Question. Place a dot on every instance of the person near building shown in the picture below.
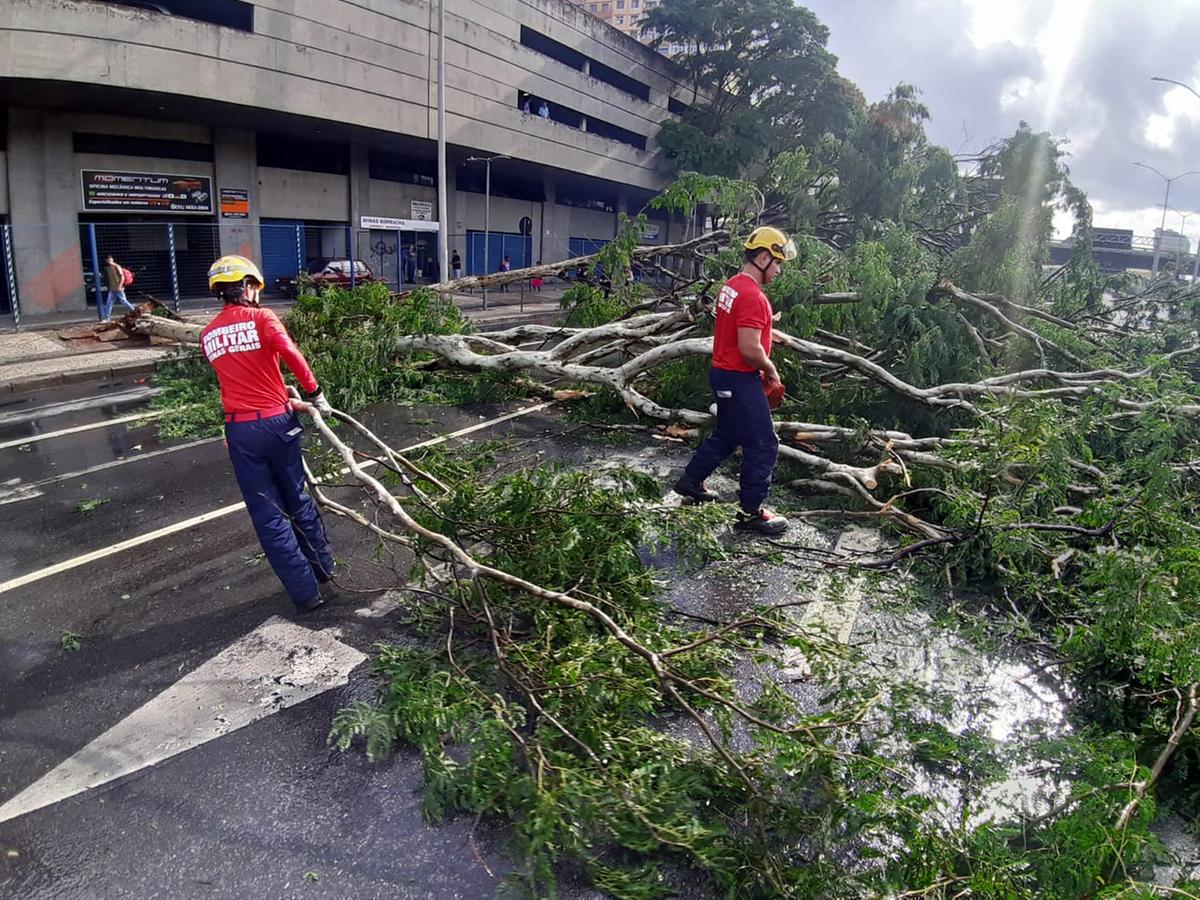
(114, 280)
(456, 264)
(741, 377)
(525, 106)
(505, 266)
(544, 110)
(244, 344)
(535, 283)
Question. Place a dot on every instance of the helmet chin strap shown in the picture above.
(763, 269)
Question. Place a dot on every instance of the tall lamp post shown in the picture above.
(1186, 87)
(1166, 199)
(1183, 217)
(487, 209)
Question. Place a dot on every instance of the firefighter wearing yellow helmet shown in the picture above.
(244, 344)
(746, 385)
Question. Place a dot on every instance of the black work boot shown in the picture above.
(761, 522)
(697, 493)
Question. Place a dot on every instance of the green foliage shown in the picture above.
(87, 507)
(349, 338)
(768, 82)
(188, 397)
(71, 641)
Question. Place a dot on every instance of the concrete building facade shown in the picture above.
(291, 130)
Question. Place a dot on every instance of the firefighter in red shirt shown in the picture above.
(244, 344)
(741, 377)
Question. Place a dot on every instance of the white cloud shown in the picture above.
(1079, 69)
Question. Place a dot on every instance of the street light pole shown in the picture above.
(1166, 198)
(487, 210)
(443, 224)
(1183, 217)
(1186, 87)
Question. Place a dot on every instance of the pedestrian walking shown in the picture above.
(535, 283)
(741, 377)
(244, 344)
(505, 266)
(456, 264)
(114, 280)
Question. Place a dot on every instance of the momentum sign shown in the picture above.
(146, 192)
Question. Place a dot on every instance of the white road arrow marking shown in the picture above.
(277, 665)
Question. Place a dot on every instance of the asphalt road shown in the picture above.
(224, 785)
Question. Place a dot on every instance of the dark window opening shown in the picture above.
(227, 13)
(123, 145)
(582, 198)
(472, 177)
(620, 81)
(280, 152)
(531, 103)
(402, 169)
(677, 107)
(549, 47)
(617, 133)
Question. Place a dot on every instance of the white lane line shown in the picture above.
(68, 406)
(14, 491)
(834, 619)
(66, 565)
(277, 665)
(108, 423)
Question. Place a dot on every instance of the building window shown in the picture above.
(620, 20)
(620, 4)
(594, 7)
(635, 4)
(605, 7)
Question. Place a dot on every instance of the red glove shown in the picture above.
(774, 391)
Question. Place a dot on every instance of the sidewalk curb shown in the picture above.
(76, 376)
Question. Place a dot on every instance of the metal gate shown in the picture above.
(499, 245)
(283, 251)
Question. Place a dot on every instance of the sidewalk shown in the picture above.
(37, 357)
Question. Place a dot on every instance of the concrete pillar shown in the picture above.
(456, 203)
(622, 207)
(360, 185)
(556, 224)
(235, 165)
(44, 197)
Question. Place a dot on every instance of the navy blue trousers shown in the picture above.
(266, 461)
(743, 420)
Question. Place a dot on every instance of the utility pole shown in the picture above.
(1183, 217)
(443, 223)
(1186, 87)
(487, 211)
(1166, 198)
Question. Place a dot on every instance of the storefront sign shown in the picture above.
(386, 223)
(422, 210)
(235, 203)
(146, 192)
(650, 233)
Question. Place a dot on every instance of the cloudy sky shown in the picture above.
(1079, 69)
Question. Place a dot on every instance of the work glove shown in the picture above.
(317, 399)
(310, 401)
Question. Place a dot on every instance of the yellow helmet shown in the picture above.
(774, 241)
(233, 270)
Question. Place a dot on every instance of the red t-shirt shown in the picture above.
(244, 344)
(741, 304)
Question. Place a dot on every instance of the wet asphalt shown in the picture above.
(266, 811)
